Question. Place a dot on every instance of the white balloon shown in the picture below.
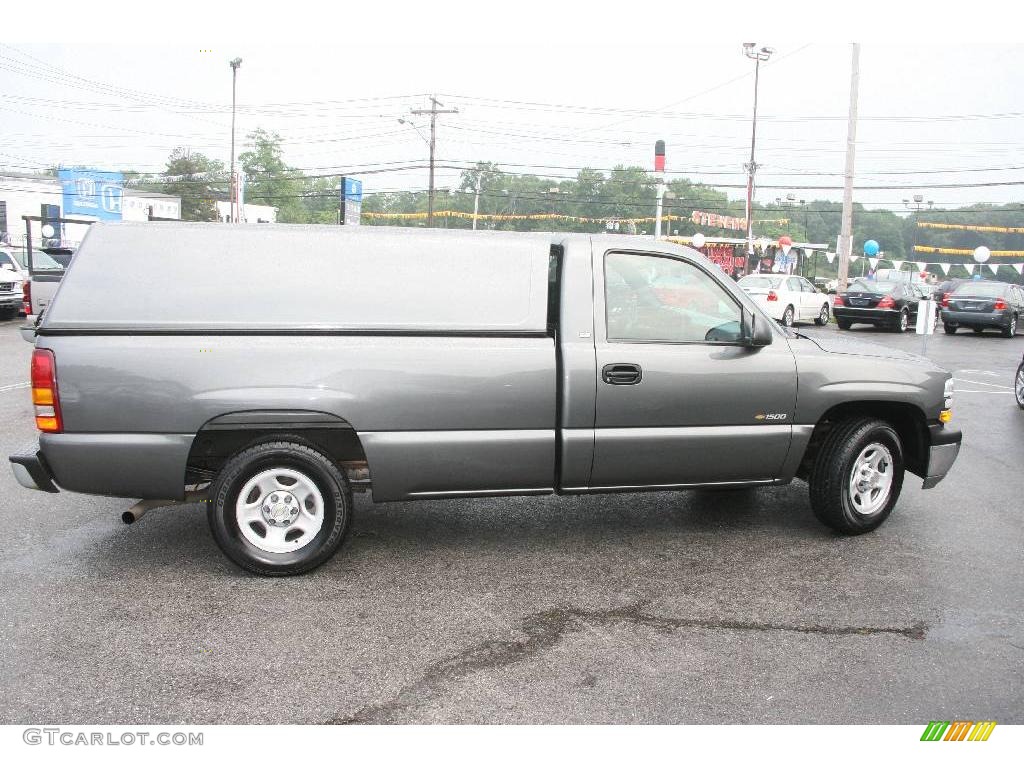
(981, 254)
(698, 240)
(48, 230)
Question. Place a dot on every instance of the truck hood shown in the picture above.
(841, 345)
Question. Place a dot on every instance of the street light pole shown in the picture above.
(235, 64)
(751, 51)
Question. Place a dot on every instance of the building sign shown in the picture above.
(351, 202)
(702, 219)
(92, 193)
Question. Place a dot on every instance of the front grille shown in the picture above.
(6, 287)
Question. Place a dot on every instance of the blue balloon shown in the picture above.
(871, 248)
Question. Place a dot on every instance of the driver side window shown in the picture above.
(658, 298)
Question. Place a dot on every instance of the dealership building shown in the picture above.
(82, 194)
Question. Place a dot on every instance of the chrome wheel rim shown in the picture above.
(279, 510)
(904, 321)
(824, 315)
(1020, 385)
(787, 317)
(871, 480)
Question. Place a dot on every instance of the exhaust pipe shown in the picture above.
(192, 495)
(139, 509)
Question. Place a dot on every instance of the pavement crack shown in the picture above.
(543, 630)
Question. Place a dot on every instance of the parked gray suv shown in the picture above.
(434, 364)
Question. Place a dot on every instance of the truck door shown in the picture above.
(679, 399)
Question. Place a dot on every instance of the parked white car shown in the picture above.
(12, 277)
(788, 298)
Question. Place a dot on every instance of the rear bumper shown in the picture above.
(942, 452)
(977, 319)
(31, 471)
(866, 315)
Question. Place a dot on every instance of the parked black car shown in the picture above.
(946, 287)
(1018, 385)
(981, 304)
(882, 303)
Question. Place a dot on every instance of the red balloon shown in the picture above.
(785, 240)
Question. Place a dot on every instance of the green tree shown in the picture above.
(198, 180)
(270, 181)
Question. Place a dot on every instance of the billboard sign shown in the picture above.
(351, 200)
(92, 193)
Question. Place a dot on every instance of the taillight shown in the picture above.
(26, 296)
(773, 296)
(1000, 305)
(44, 391)
(945, 300)
(838, 301)
(887, 303)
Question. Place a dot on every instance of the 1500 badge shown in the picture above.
(771, 416)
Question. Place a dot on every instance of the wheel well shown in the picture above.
(908, 420)
(213, 446)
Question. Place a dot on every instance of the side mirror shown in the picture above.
(755, 334)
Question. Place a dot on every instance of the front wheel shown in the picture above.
(822, 318)
(949, 329)
(280, 508)
(1018, 386)
(787, 317)
(857, 475)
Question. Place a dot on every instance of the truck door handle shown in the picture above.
(621, 373)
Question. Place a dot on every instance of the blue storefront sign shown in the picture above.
(351, 200)
(92, 193)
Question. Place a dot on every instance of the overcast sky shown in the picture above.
(930, 115)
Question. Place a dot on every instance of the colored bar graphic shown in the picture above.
(958, 730)
(982, 730)
(934, 730)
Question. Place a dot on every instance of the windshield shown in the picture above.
(754, 281)
(988, 290)
(40, 260)
(874, 286)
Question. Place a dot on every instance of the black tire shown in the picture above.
(949, 329)
(902, 322)
(831, 476)
(329, 480)
(844, 325)
(822, 318)
(788, 316)
(978, 331)
(1011, 330)
(1018, 386)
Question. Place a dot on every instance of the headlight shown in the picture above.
(946, 415)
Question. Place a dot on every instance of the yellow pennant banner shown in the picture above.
(421, 215)
(970, 227)
(963, 251)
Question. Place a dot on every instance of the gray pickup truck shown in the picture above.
(413, 364)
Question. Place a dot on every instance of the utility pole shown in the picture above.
(476, 197)
(433, 112)
(751, 51)
(846, 235)
(235, 64)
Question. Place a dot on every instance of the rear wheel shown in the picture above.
(280, 508)
(979, 331)
(844, 325)
(950, 329)
(902, 322)
(1011, 330)
(857, 475)
(822, 318)
(787, 317)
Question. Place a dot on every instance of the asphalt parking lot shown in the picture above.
(682, 607)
